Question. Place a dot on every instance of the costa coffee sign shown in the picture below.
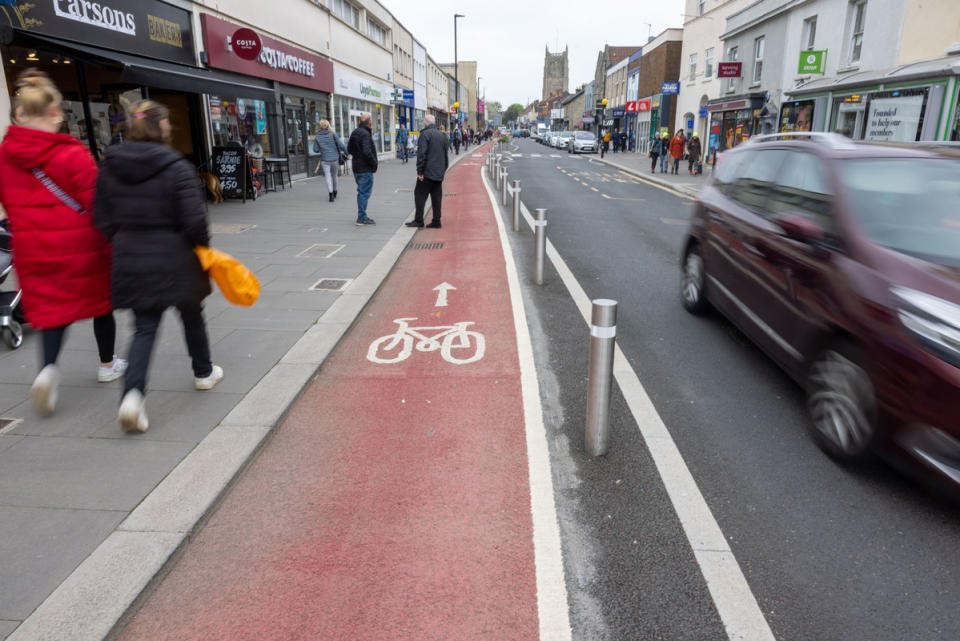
(235, 48)
(246, 43)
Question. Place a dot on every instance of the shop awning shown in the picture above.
(164, 75)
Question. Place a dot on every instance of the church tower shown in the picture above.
(555, 72)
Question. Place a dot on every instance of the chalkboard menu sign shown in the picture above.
(230, 166)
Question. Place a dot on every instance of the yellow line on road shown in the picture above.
(594, 188)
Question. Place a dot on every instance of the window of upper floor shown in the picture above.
(376, 32)
(758, 59)
(708, 63)
(346, 11)
(693, 67)
(809, 36)
(856, 16)
(701, 5)
(733, 55)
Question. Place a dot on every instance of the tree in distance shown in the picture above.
(513, 112)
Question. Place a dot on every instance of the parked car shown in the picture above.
(563, 139)
(841, 260)
(582, 141)
(555, 138)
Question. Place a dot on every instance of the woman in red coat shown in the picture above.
(677, 145)
(62, 260)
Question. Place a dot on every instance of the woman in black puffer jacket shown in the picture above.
(150, 205)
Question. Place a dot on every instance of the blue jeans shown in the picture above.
(663, 163)
(364, 189)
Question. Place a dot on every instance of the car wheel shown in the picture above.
(842, 405)
(693, 282)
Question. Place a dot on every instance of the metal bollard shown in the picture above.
(504, 187)
(539, 245)
(516, 205)
(496, 173)
(603, 332)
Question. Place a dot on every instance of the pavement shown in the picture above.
(88, 514)
(394, 500)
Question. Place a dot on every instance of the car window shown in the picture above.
(584, 135)
(802, 188)
(755, 177)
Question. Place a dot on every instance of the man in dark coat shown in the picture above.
(364, 154)
(432, 163)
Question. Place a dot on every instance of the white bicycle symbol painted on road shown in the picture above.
(450, 338)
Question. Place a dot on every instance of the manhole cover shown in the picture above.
(320, 250)
(229, 228)
(425, 246)
(7, 424)
(448, 195)
(331, 284)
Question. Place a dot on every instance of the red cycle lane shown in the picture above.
(393, 502)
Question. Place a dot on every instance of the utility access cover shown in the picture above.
(425, 246)
(331, 284)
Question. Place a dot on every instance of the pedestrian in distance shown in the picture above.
(605, 144)
(457, 140)
(62, 260)
(664, 153)
(360, 147)
(677, 146)
(693, 154)
(615, 137)
(331, 148)
(150, 205)
(623, 141)
(403, 137)
(655, 151)
(432, 163)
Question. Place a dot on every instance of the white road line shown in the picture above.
(553, 610)
(735, 602)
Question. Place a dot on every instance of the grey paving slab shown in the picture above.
(40, 547)
(6, 627)
(84, 473)
(81, 411)
(265, 319)
(9, 440)
(12, 395)
(177, 416)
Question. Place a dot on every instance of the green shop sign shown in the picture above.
(812, 61)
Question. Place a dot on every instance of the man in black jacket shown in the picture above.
(432, 163)
(364, 154)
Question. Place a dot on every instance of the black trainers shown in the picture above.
(414, 223)
(433, 225)
(366, 221)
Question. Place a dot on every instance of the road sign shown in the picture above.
(812, 61)
(670, 88)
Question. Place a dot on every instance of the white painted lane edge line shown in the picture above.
(553, 609)
(731, 594)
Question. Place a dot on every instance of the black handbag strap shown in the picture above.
(57, 191)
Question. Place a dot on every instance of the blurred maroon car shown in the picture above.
(841, 260)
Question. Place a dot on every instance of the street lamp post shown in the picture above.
(456, 64)
(477, 106)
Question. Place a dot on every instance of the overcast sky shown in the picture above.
(507, 37)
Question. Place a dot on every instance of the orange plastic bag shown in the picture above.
(237, 283)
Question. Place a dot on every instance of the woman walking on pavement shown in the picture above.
(655, 151)
(62, 261)
(693, 153)
(150, 205)
(664, 153)
(676, 150)
(330, 147)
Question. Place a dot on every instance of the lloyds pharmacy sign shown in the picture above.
(146, 27)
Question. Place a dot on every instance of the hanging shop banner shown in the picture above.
(670, 88)
(275, 61)
(812, 62)
(729, 69)
(143, 27)
(895, 118)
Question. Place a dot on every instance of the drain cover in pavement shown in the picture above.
(7, 424)
(320, 250)
(331, 284)
(425, 246)
(229, 228)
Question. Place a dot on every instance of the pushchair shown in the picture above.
(11, 314)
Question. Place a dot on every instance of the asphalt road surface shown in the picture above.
(829, 552)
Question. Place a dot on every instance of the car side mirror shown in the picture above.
(801, 228)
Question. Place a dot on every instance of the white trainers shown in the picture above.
(208, 382)
(133, 413)
(113, 372)
(43, 393)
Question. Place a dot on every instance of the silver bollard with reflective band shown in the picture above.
(539, 245)
(516, 205)
(504, 188)
(497, 169)
(603, 332)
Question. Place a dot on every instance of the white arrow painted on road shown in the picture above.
(442, 288)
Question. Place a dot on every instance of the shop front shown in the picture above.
(733, 120)
(104, 62)
(914, 102)
(356, 95)
(638, 124)
(282, 124)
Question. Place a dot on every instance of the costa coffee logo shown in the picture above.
(246, 43)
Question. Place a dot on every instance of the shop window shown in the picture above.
(895, 116)
(708, 63)
(757, 59)
(240, 122)
(796, 116)
(955, 133)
